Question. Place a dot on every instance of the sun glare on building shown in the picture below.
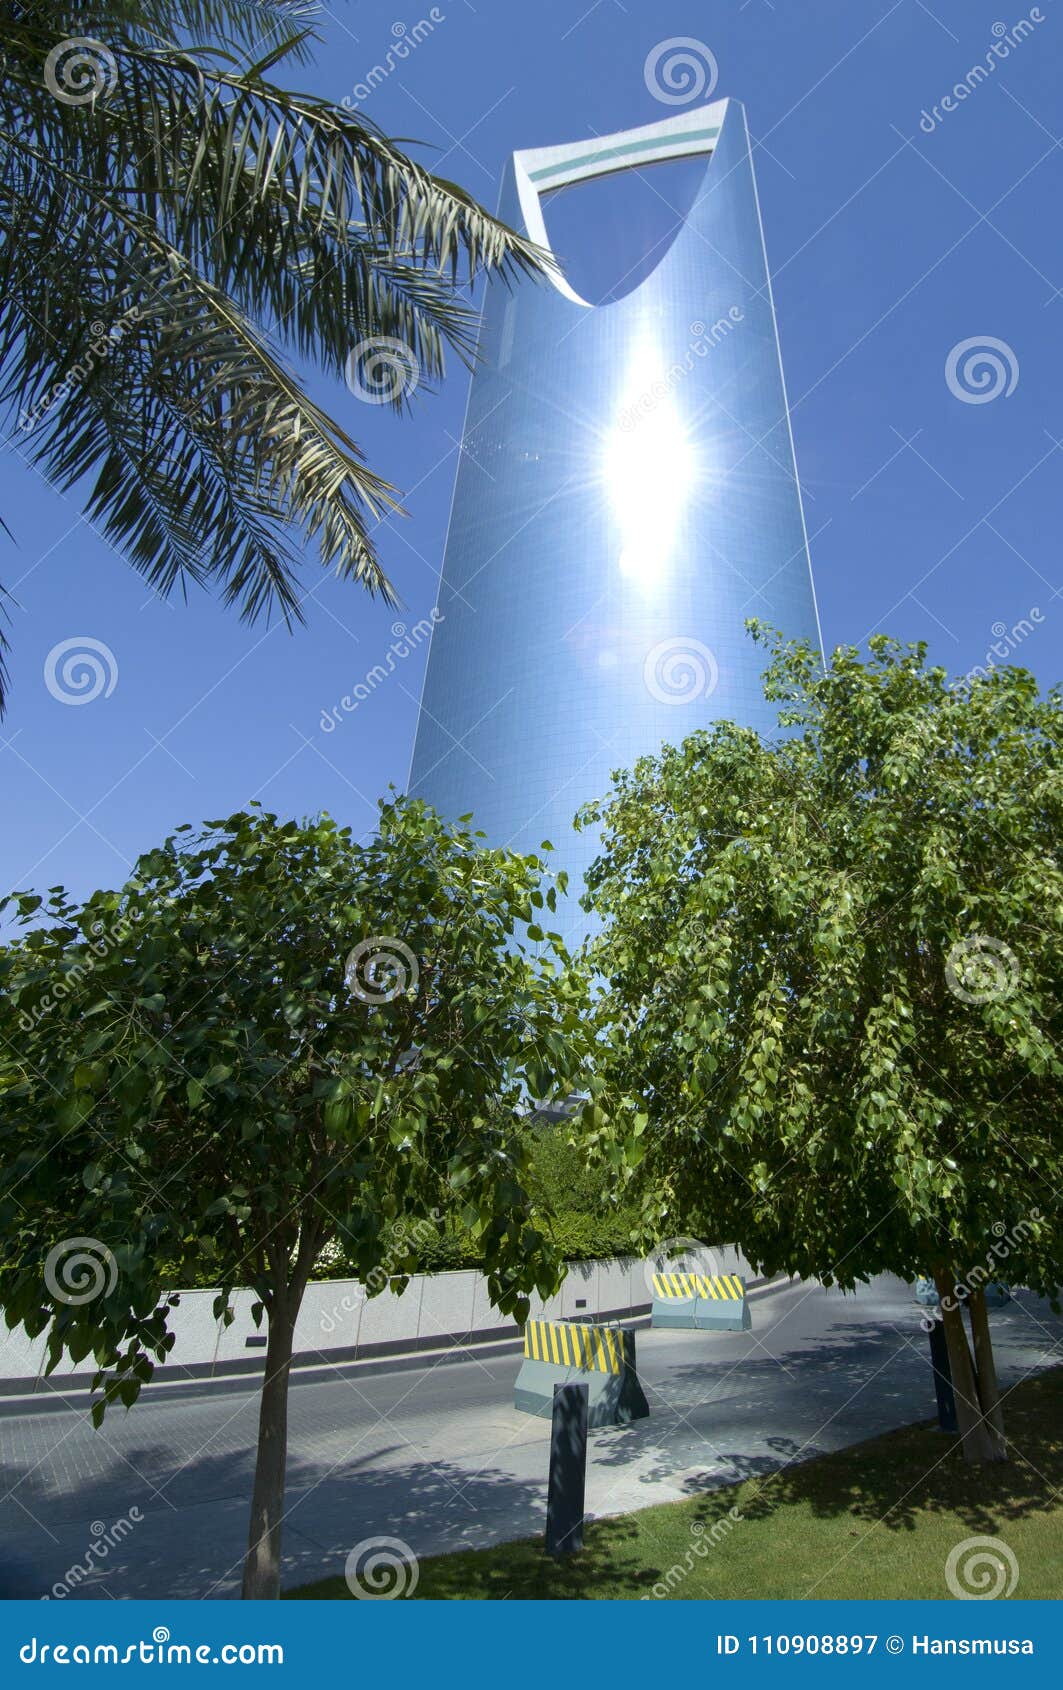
(649, 468)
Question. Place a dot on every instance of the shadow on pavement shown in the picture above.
(733, 1409)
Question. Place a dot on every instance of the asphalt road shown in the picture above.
(440, 1459)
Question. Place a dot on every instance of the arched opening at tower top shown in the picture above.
(610, 232)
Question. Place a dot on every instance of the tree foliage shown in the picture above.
(834, 969)
(270, 1038)
(173, 224)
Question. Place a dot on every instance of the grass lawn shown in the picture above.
(877, 1520)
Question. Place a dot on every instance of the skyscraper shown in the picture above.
(626, 497)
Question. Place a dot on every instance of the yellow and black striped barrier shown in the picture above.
(558, 1352)
(596, 1349)
(701, 1302)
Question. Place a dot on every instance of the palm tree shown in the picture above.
(172, 224)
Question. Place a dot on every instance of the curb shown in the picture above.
(41, 1395)
(44, 1395)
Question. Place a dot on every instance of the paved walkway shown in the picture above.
(439, 1458)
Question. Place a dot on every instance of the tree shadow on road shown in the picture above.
(197, 1550)
(856, 1381)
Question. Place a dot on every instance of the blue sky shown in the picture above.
(895, 238)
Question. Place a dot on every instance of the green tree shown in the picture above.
(271, 1038)
(834, 970)
(173, 224)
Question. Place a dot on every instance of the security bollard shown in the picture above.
(568, 1470)
(939, 1361)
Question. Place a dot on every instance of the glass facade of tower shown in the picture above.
(626, 497)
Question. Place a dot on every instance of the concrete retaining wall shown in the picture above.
(338, 1322)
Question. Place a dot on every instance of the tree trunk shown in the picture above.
(985, 1366)
(978, 1438)
(262, 1568)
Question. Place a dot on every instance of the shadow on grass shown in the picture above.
(899, 1478)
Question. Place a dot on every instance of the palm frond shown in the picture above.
(255, 25)
(224, 222)
(207, 447)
